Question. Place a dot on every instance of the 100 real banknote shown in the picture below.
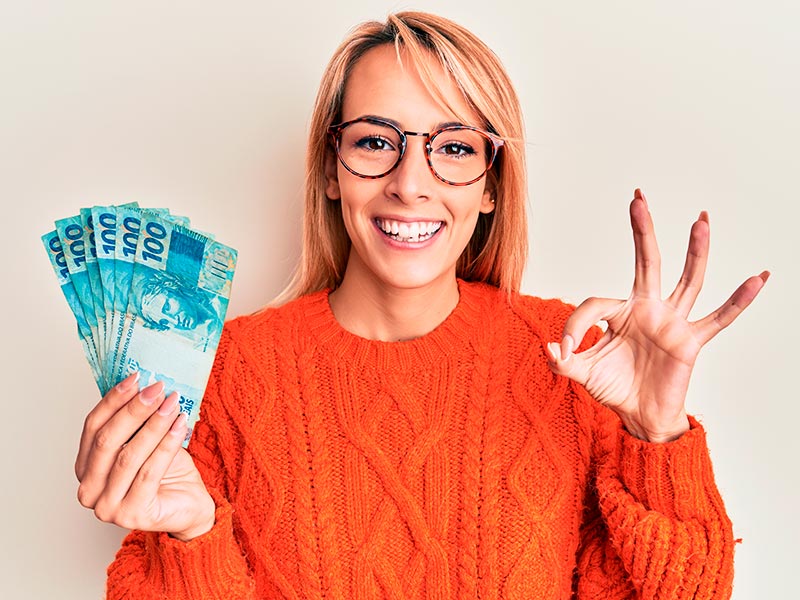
(148, 294)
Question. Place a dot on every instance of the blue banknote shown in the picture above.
(129, 222)
(181, 284)
(93, 270)
(70, 232)
(148, 294)
(104, 219)
(55, 252)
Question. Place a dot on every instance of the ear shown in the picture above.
(331, 176)
(487, 201)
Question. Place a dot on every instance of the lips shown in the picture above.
(410, 232)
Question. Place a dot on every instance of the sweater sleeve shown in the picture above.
(152, 565)
(655, 524)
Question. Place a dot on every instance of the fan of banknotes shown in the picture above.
(149, 295)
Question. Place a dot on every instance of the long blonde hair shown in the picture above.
(498, 248)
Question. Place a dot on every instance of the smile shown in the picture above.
(415, 232)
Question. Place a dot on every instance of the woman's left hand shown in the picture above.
(641, 367)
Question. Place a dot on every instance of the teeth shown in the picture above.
(409, 232)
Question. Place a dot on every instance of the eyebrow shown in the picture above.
(400, 127)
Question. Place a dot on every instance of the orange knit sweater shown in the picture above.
(455, 465)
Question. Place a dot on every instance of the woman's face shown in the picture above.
(410, 200)
(170, 309)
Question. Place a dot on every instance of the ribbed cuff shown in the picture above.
(674, 478)
(208, 566)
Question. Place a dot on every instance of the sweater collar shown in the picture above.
(452, 337)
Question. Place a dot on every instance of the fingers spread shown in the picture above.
(694, 269)
(718, 320)
(647, 280)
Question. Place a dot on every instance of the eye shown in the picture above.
(374, 143)
(456, 144)
(456, 149)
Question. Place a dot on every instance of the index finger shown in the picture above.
(114, 399)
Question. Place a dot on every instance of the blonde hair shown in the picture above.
(497, 251)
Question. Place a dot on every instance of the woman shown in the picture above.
(405, 424)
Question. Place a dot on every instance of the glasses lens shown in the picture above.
(369, 149)
(460, 155)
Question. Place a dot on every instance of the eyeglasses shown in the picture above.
(372, 148)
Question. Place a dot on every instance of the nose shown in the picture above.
(412, 180)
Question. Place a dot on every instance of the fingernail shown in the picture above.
(179, 425)
(151, 392)
(128, 382)
(764, 276)
(554, 350)
(567, 345)
(169, 405)
(637, 193)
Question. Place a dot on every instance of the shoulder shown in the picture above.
(518, 316)
(548, 317)
(255, 341)
(273, 322)
(545, 317)
(542, 318)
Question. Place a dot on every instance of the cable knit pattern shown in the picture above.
(452, 466)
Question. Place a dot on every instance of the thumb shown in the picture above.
(563, 361)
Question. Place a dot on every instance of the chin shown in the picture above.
(417, 279)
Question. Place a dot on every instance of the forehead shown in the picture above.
(385, 83)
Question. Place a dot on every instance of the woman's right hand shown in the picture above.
(147, 481)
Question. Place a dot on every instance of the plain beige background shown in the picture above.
(204, 109)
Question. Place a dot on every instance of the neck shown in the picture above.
(376, 311)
